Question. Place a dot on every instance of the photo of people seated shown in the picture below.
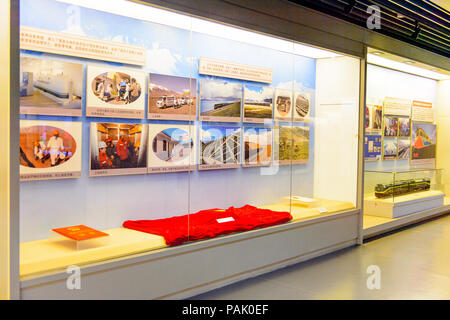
(116, 88)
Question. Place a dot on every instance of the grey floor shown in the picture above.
(414, 264)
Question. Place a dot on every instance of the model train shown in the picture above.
(402, 187)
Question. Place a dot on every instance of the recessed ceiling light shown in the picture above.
(409, 62)
(378, 53)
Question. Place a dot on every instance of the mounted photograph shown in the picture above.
(258, 103)
(172, 97)
(404, 149)
(293, 144)
(50, 150)
(423, 149)
(404, 127)
(390, 149)
(220, 147)
(114, 92)
(390, 126)
(220, 101)
(302, 106)
(118, 149)
(283, 105)
(257, 147)
(171, 148)
(50, 87)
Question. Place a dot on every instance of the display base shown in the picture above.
(403, 205)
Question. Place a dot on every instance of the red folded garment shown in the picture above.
(210, 223)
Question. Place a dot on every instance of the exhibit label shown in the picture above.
(397, 106)
(214, 67)
(422, 111)
(80, 46)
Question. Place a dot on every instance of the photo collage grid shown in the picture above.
(55, 88)
(391, 136)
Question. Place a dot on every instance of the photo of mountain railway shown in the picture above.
(50, 87)
(220, 147)
(423, 143)
(220, 101)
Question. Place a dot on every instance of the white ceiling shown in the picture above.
(442, 3)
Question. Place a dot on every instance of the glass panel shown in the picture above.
(134, 119)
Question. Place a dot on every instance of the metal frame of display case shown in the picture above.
(122, 278)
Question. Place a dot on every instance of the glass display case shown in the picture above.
(419, 188)
(140, 134)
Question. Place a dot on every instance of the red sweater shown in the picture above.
(204, 224)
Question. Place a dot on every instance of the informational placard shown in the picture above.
(372, 147)
(118, 149)
(422, 111)
(80, 46)
(226, 69)
(171, 148)
(50, 150)
(115, 92)
(397, 106)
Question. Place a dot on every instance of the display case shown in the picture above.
(393, 194)
(172, 132)
(406, 162)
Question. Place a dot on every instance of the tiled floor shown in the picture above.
(414, 264)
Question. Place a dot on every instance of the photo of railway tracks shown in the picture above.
(220, 147)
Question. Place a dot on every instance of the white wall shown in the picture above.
(443, 131)
(336, 128)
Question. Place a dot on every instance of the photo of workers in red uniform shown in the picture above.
(116, 148)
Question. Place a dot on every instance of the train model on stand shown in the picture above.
(402, 187)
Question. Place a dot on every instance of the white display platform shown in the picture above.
(403, 205)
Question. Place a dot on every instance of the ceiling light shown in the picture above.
(409, 62)
(378, 53)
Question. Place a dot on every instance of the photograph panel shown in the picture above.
(220, 101)
(50, 87)
(390, 126)
(302, 106)
(115, 92)
(172, 97)
(283, 104)
(423, 143)
(50, 149)
(220, 147)
(258, 103)
(257, 147)
(404, 127)
(118, 148)
(171, 148)
(390, 149)
(404, 149)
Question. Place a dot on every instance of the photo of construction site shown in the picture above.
(257, 147)
(50, 87)
(118, 148)
(423, 142)
(220, 101)
(258, 102)
(172, 97)
(219, 147)
(293, 144)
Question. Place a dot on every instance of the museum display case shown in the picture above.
(393, 194)
(406, 125)
(152, 135)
